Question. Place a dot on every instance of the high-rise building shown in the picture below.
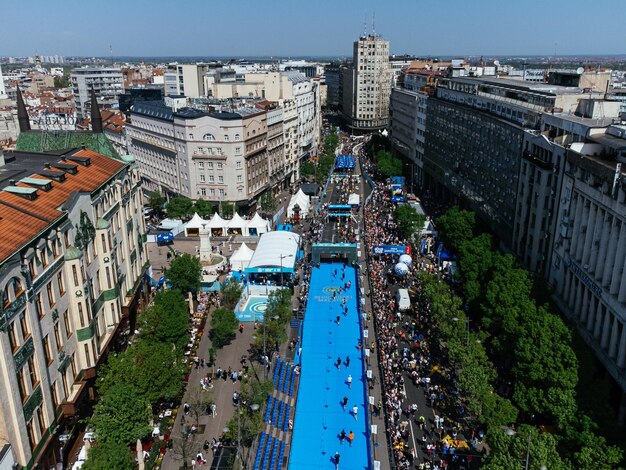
(185, 79)
(107, 82)
(367, 85)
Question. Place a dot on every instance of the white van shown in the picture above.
(403, 299)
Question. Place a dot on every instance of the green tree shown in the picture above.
(185, 273)
(108, 455)
(154, 370)
(156, 201)
(456, 226)
(121, 415)
(62, 82)
(167, 320)
(223, 327)
(231, 293)
(180, 207)
(198, 400)
(267, 202)
(387, 164)
(307, 169)
(408, 220)
(227, 209)
(475, 264)
(279, 304)
(204, 208)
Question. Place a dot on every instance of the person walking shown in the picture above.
(349, 381)
(344, 403)
(347, 361)
(350, 438)
(336, 458)
(342, 436)
(355, 411)
(338, 363)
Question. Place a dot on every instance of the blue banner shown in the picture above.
(268, 270)
(391, 249)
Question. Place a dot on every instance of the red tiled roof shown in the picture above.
(21, 219)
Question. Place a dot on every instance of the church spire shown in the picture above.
(96, 117)
(22, 114)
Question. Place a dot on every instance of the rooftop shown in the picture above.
(26, 213)
(36, 141)
(521, 85)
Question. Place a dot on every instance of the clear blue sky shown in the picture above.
(318, 27)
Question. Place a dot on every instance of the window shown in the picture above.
(208, 137)
(55, 394)
(209, 165)
(75, 276)
(44, 257)
(68, 324)
(73, 364)
(66, 238)
(212, 192)
(57, 336)
(237, 137)
(222, 192)
(24, 325)
(31, 268)
(226, 139)
(21, 382)
(32, 370)
(202, 178)
(41, 419)
(98, 281)
(201, 165)
(87, 356)
(50, 294)
(211, 178)
(81, 315)
(103, 240)
(108, 274)
(13, 341)
(220, 166)
(202, 191)
(238, 165)
(190, 136)
(239, 178)
(47, 352)
(61, 283)
(55, 251)
(220, 179)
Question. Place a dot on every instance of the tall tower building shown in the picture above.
(3, 92)
(367, 85)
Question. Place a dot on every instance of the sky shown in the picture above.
(236, 28)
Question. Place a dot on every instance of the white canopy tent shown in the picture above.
(257, 225)
(354, 199)
(195, 225)
(240, 258)
(236, 225)
(217, 225)
(169, 224)
(276, 249)
(301, 200)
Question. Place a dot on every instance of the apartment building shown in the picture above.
(107, 82)
(71, 273)
(587, 268)
(367, 85)
(186, 80)
(218, 156)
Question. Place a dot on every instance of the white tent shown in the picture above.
(354, 199)
(169, 224)
(195, 225)
(240, 258)
(237, 225)
(217, 225)
(258, 225)
(276, 249)
(302, 200)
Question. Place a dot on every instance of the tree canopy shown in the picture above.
(154, 370)
(109, 455)
(121, 415)
(167, 320)
(267, 201)
(387, 164)
(223, 327)
(156, 201)
(456, 226)
(231, 292)
(180, 207)
(204, 208)
(408, 220)
(185, 273)
(227, 209)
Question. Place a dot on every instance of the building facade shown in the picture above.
(71, 272)
(367, 85)
(217, 156)
(186, 80)
(587, 269)
(107, 82)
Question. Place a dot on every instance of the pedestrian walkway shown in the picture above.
(332, 368)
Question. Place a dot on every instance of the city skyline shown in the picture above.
(249, 29)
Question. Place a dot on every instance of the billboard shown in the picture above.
(391, 250)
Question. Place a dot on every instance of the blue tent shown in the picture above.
(165, 237)
(397, 180)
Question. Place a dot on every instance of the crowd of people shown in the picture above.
(404, 341)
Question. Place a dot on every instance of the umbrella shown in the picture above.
(406, 259)
(401, 269)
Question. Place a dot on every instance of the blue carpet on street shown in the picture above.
(320, 416)
(253, 310)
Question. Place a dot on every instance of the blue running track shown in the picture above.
(319, 416)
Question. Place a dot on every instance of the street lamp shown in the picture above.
(511, 432)
(282, 257)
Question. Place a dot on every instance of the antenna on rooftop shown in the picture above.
(111, 52)
(364, 24)
(374, 24)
